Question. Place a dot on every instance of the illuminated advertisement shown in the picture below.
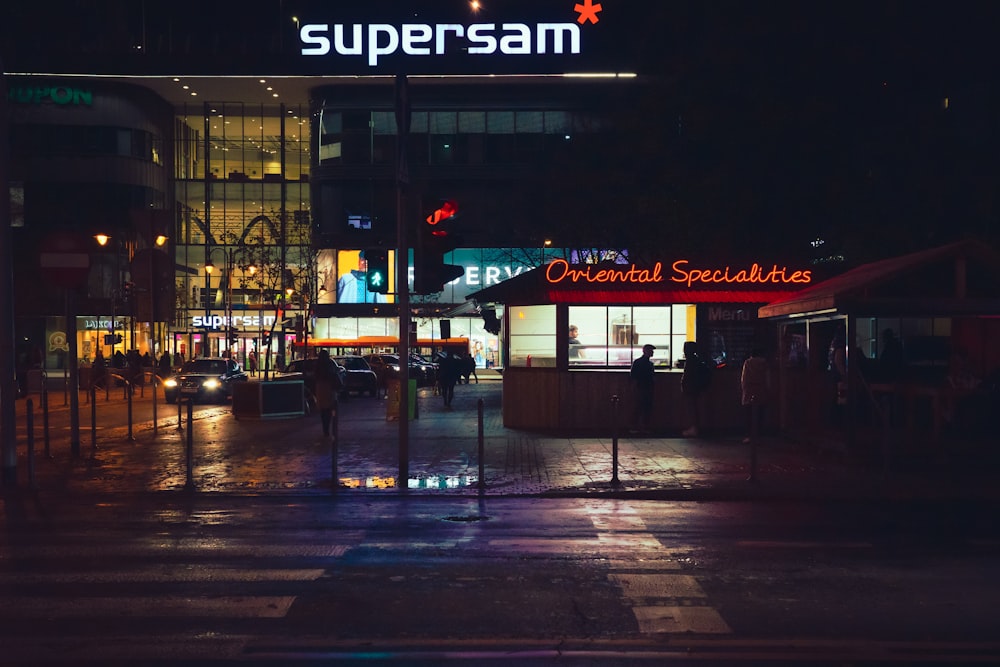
(352, 283)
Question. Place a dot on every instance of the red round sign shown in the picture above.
(64, 259)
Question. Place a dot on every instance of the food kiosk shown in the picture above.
(553, 382)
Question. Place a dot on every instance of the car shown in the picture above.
(386, 366)
(306, 369)
(361, 379)
(428, 370)
(206, 379)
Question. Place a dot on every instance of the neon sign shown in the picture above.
(420, 39)
(61, 95)
(559, 270)
(755, 275)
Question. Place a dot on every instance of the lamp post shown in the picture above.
(227, 303)
(103, 240)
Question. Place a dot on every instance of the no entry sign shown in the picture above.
(64, 259)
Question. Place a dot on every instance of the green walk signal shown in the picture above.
(377, 275)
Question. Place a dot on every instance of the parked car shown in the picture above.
(361, 379)
(428, 369)
(205, 379)
(306, 369)
(386, 366)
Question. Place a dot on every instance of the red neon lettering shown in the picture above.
(559, 270)
(756, 274)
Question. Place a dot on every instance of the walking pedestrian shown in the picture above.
(755, 383)
(327, 389)
(469, 368)
(448, 374)
(641, 374)
(252, 363)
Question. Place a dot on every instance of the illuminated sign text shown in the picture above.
(756, 274)
(221, 321)
(62, 95)
(420, 39)
(559, 270)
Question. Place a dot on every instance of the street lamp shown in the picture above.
(227, 304)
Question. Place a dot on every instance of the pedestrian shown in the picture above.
(755, 384)
(98, 369)
(252, 363)
(694, 383)
(641, 375)
(164, 365)
(327, 389)
(469, 368)
(448, 374)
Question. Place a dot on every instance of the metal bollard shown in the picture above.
(482, 456)
(93, 418)
(128, 394)
(754, 436)
(180, 420)
(45, 420)
(156, 425)
(335, 451)
(614, 441)
(189, 483)
(30, 408)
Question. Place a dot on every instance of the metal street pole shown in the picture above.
(8, 429)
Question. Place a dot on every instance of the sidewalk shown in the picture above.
(290, 456)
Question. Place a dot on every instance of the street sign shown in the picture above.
(64, 259)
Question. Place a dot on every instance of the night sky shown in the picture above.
(868, 125)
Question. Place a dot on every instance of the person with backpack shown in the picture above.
(694, 382)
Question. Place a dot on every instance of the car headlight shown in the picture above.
(211, 383)
(170, 382)
(394, 367)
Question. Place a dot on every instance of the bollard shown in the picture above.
(754, 436)
(180, 420)
(335, 451)
(189, 484)
(128, 395)
(156, 426)
(93, 418)
(614, 441)
(482, 456)
(30, 409)
(45, 420)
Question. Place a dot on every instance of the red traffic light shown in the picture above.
(447, 210)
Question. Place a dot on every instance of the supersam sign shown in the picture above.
(681, 271)
(371, 42)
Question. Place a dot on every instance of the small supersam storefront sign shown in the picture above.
(681, 272)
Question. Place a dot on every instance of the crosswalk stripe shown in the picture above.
(182, 574)
(248, 606)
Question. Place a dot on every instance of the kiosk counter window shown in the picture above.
(613, 336)
(607, 337)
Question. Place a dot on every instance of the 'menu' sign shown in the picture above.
(560, 271)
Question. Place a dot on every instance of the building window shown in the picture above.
(532, 336)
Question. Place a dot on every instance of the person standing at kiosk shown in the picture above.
(641, 375)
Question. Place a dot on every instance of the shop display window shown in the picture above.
(613, 336)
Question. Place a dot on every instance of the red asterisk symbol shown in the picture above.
(588, 12)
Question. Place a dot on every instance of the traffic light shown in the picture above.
(267, 339)
(377, 275)
(435, 237)
(233, 337)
